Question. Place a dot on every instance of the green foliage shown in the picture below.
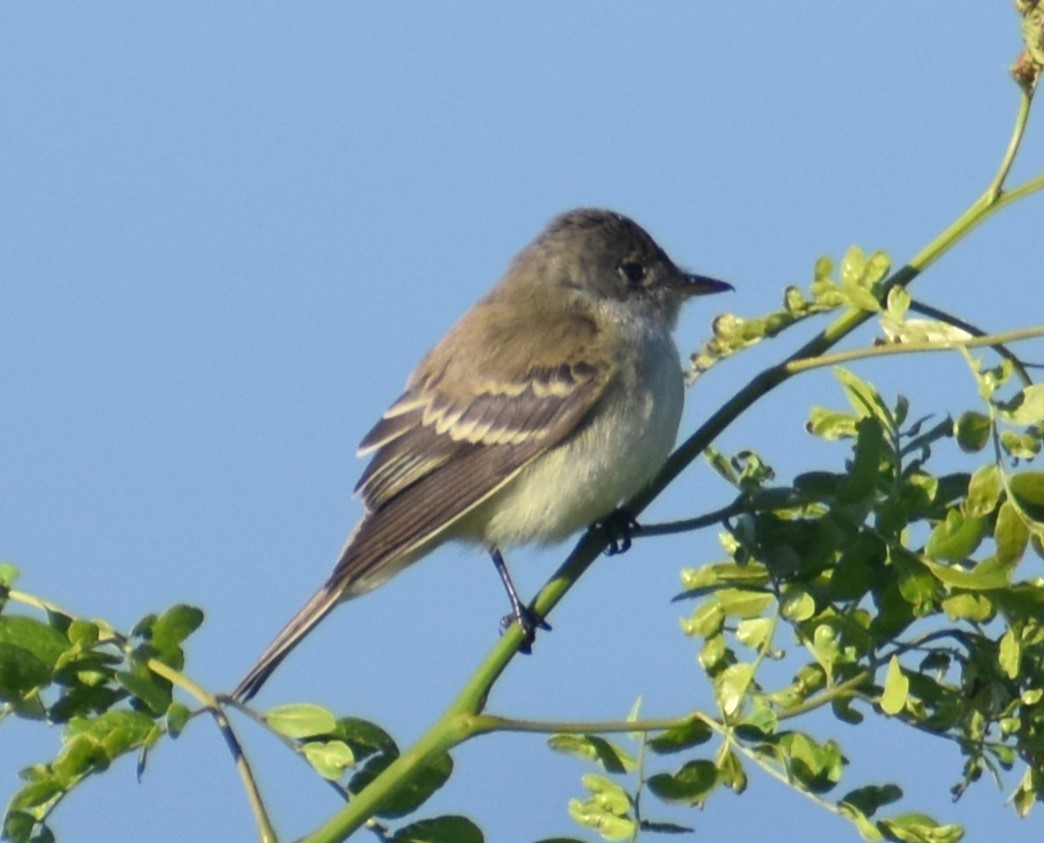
(857, 285)
(870, 595)
(902, 589)
(98, 685)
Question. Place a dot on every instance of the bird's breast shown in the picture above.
(615, 452)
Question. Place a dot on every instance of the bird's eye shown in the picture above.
(633, 271)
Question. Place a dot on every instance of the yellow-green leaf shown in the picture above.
(1009, 654)
(1010, 534)
(732, 686)
(896, 688)
(301, 720)
(984, 490)
(1028, 489)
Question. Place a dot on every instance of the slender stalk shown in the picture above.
(493, 723)
(1017, 362)
(890, 349)
(212, 706)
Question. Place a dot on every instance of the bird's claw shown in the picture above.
(529, 622)
(619, 526)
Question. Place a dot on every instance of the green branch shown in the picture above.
(889, 349)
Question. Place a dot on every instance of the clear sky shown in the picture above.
(228, 232)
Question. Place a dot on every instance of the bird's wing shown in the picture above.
(426, 429)
(434, 460)
(437, 456)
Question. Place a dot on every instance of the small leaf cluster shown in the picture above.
(615, 812)
(356, 750)
(93, 682)
(858, 285)
(901, 587)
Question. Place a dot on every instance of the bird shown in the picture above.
(551, 402)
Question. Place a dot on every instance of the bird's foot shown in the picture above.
(529, 622)
(619, 525)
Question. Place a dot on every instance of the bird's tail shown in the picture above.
(289, 636)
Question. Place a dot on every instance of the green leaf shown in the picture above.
(761, 723)
(741, 603)
(1028, 490)
(754, 632)
(706, 620)
(896, 688)
(984, 491)
(80, 755)
(613, 758)
(871, 797)
(971, 607)
(84, 701)
(798, 605)
(447, 829)
(605, 810)
(918, 828)
(82, 633)
(1027, 407)
(18, 826)
(730, 770)
(830, 424)
(956, 538)
(176, 624)
(865, 399)
(973, 431)
(856, 281)
(608, 825)
(20, 672)
(864, 470)
(169, 630)
(867, 829)
(36, 794)
(986, 576)
(691, 733)
(414, 794)
(712, 577)
(608, 794)
(300, 720)
(817, 767)
(330, 759)
(1025, 795)
(732, 686)
(1010, 534)
(1020, 445)
(149, 688)
(824, 646)
(1009, 655)
(118, 731)
(45, 642)
(898, 302)
(8, 574)
(690, 784)
(177, 718)
(714, 653)
(364, 738)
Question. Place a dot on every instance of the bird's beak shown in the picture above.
(700, 285)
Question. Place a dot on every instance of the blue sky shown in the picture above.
(227, 234)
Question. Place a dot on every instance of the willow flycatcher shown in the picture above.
(553, 400)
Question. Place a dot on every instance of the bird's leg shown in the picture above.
(527, 619)
(619, 525)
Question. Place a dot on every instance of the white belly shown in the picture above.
(608, 461)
